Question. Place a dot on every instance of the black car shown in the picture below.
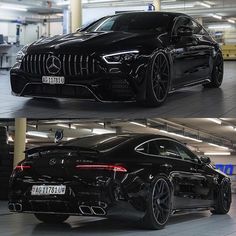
(126, 57)
(145, 176)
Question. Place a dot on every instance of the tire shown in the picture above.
(224, 198)
(217, 73)
(51, 218)
(158, 204)
(158, 81)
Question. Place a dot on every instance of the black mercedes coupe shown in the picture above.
(141, 56)
(145, 176)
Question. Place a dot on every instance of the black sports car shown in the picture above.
(141, 175)
(126, 57)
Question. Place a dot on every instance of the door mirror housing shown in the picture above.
(205, 160)
(184, 31)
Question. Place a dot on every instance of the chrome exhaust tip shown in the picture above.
(11, 207)
(85, 210)
(98, 211)
(18, 207)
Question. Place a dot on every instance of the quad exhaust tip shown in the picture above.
(15, 207)
(92, 210)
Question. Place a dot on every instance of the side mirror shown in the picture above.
(205, 160)
(184, 31)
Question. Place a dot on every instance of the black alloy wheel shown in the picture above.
(158, 81)
(159, 207)
(217, 73)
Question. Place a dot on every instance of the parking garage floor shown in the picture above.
(189, 102)
(192, 224)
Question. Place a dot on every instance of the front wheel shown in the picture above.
(224, 198)
(158, 81)
(51, 219)
(158, 204)
(217, 73)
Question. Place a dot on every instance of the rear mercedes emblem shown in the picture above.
(52, 162)
(53, 65)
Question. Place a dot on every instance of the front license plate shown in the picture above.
(48, 190)
(53, 80)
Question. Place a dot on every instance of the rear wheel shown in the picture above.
(158, 81)
(159, 204)
(51, 219)
(223, 201)
(217, 73)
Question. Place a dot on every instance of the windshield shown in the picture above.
(133, 22)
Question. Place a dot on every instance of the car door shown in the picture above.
(191, 54)
(200, 189)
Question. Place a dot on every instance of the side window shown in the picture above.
(181, 21)
(163, 148)
(186, 154)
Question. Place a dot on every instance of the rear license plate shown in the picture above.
(38, 190)
(53, 80)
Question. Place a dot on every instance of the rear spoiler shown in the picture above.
(51, 148)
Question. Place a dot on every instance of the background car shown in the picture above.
(147, 176)
(141, 56)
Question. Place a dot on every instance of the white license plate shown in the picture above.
(39, 190)
(53, 80)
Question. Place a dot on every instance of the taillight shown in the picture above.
(114, 168)
(22, 167)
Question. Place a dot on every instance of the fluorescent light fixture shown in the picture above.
(101, 123)
(216, 16)
(102, 131)
(138, 124)
(222, 27)
(182, 136)
(217, 121)
(10, 139)
(215, 145)
(179, 6)
(231, 21)
(37, 134)
(217, 153)
(204, 4)
(14, 8)
(67, 126)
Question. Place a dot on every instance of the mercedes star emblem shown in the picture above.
(53, 65)
(52, 162)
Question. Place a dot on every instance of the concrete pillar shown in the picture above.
(20, 138)
(76, 14)
(157, 4)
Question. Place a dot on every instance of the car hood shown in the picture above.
(92, 41)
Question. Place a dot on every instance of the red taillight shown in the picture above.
(22, 167)
(114, 168)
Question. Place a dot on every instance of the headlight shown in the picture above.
(119, 57)
(20, 55)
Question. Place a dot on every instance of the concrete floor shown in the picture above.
(189, 102)
(192, 224)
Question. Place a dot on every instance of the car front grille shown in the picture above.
(71, 65)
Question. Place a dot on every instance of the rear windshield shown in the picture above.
(133, 22)
(98, 142)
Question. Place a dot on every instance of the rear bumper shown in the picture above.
(103, 88)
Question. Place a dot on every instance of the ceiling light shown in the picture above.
(14, 8)
(10, 139)
(217, 153)
(215, 145)
(179, 6)
(182, 136)
(231, 21)
(217, 16)
(37, 134)
(222, 27)
(138, 124)
(217, 121)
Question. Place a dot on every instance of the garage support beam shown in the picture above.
(157, 4)
(76, 14)
(20, 140)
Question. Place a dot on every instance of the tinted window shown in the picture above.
(134, 22)
(163, 148)
(186, 154)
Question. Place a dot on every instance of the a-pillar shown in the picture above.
(157, 4)
(76, 14)
(20, 140)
